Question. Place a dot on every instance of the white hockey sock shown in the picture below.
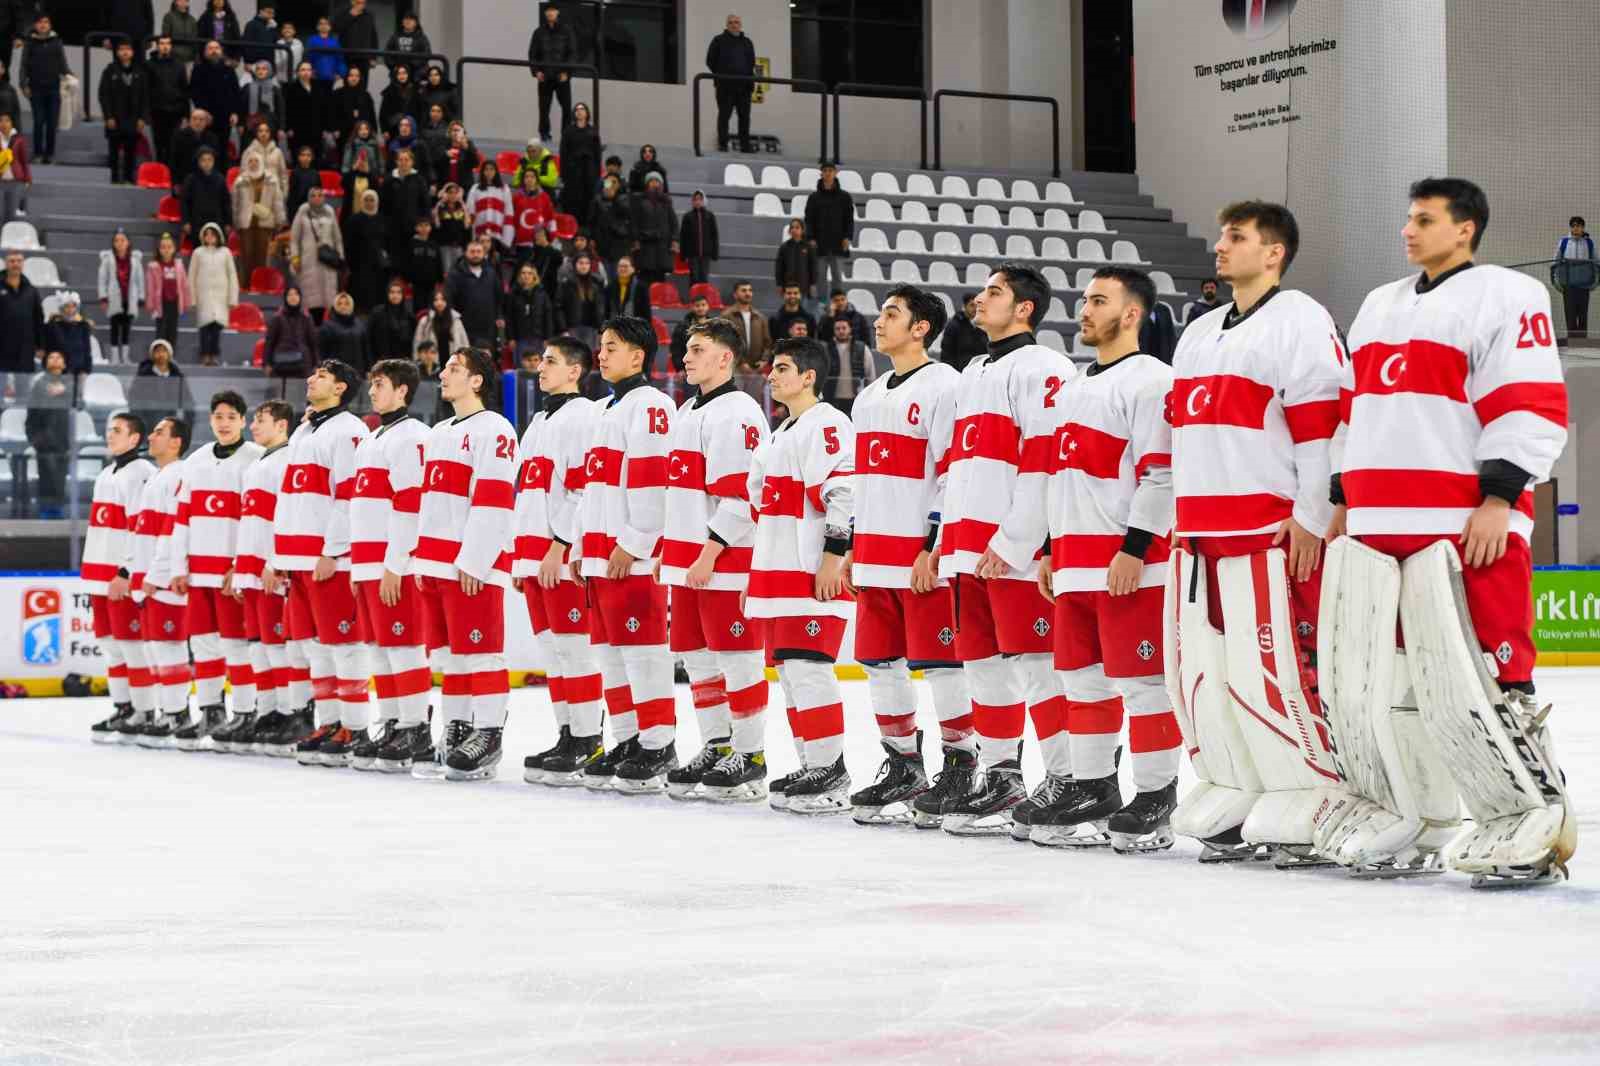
(241, 677)
(1154, 741)
(710, 693)
(894, 703)
(490, 688)
(116, 671)
(952, 702)
(324, 682)
(172, 666)
(455, 702)
(819, 709)
(209, 667)
(745, 676)
(581, 688)
(618, 697)
(410, 682)
(294, 673)
(1047, 706)
(998, 707)
(351, 668)
(555, 681)
(1094, 716)
(142, 677)
(649, 669)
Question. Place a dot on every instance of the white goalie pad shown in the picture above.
(1499, 756)
(1401, 803)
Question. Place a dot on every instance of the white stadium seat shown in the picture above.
(13, 429)
(768, 205)
(920, 185)
(1056, 218)
(807, 178)
(774, 177)
(885, 183)
(942, 273)
(1085, 275)
(1055, 248)
(41, 271)
(990, 189)
(987, 216)
(1091, 251)
(1125, 252)
(865, 270)
(1059, 192)
(863, 300)
(1056, 277)
(905, 270)
(983, 245)
(879, 211)
(1053, 340)
(947, 243)
(955, 188)
(797, 206)
(1019, 247)
(1021, 218)
(1057, 311)
(952, 215)
(1090, 221)
(738, 174)
(910, 242)
(1024, 190)
(872, 239)
(915, 211)
(1164, 283)
(977, 275)
(20, 236)
(83, 429)
(949, 304)
(103, 392)
(850, 181)
(96, 355)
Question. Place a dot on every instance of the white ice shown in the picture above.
(161, 907)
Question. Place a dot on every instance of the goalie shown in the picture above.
(1453, 406)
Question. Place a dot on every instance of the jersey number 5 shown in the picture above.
(658, 420)
(830, 439)
(1536, 331)
(752, 438)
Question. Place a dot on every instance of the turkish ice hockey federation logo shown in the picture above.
(1145, 650)
(41, 627)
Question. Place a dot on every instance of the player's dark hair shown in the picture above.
(398, 372)
(1274, 222)
(277, 410)
(1027, 284)
(479, 361)
(1467, 202)
(1136, 283)
(180, 429)
(924, 307)
(720, 331)
(807, 354)
(132, 422)
(633, 332)
(342, 371)
(573, 351)
(1576, 220)
(231, 399)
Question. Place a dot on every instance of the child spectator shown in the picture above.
(441, 327)
(121, 285)
(204, 196)
(323, 49)
(166, 289)
(290, 51)
(265, 146)
(16, 178)
(216, 290)
(302, 179)
(489, 204)
(452, 226)
(424, 263)
(460, 160)
(532, 211)
(69, 333)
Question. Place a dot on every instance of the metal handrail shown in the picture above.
(766, 79)
(900, 92)
(588, 69)
(969, 94)
(407, 58)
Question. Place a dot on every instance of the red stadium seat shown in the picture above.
(663, 334)
(265, 281)
(680, 265)
(233, 242)
(168, 210)
(233, 176)
(246, 318)
(665, 295)
(566, 226)
(186, 246)
(259, 355)
(332, 183)
(709, 291)
(507, 162)
(154, 176)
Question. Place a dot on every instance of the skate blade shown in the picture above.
(685, 792)
(336, 762)
(428, 771)
(924, 820)
(888, 814)
(533, 775)
(1134, 843)
(599, 784)
(1287, 857)
(1020, 831)
(814, 806)
(392, 766)
(648, 787)
(1071, 836)
(105, 738)
(308, 758)
(1213, 854)
(482, 773)
(749, 792)
(560, 780)
(1427, 866)
(186, 745)
(977, 825)
(1503, 878)
(363, 764)
(778, 801)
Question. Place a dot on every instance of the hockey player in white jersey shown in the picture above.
(705, 562)
(148, 562)
(1110, 507)
(905, 615)
(554, 447)
(1453, 408)
(112, 512)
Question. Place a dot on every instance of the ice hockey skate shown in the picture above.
(566, 766)
(645, 770)
(1078, 817)
(337, 749)
(986, 811)
(887, 801)
(778, 789)
(477, 758)
(1044, 794)
(455, 732)
(533, 765)
(285, 743)
(1230, 846)
(196, 736)
(1145, 822)
(683, 782)
(308, 749)
(404, 746)
(600, 774)
(159, 733)
(738, 777)
(955, 781)
(369, 742)
(820, 790)
(105, 730)
(238, 726)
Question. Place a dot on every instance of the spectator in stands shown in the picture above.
(166, 288)
(732, 54)
(628, 293)
(69, 333)
(612, 222)
(215, 281)
(390, 327)
(851, 366)
(408, 38)
(263, 99)
(262, 33)
(264, 146)
(613, 170)
(258, 213)
(552, 43)
(1158, 335)
(532, 211)
(404, 138)
(752, 324)
(796, 262)
(581, 244)
(302, 179)
(405, 199)
(21, 321)
(839, 307)
(799, 327)
(434, 136)
(530, 312)
(697, 239)
(16, 177)
(699, 311)
(362, 146)
(655, 231)
(1208, 301)
(48, 428)
(169, 96)
(357, 29)
(831, 222)
(193, 134)
(10, 99)
(398, 99)
(427, 356)
(437, 89)
(286, 58)
(352, 103)
(581, 301)
(962, 341)
(1577, 273)
(340, 336)
(365, 246)
(44, 64)
(121, 283)
(316, 253)
(489, 204)
(424, 266)
(452, 226)
(791, 309)
(214, 88)
(546, 259)
(647, 164)
(125, 102)
(181, 27)
(291, 345)
(219, 23)
(204, 196)
(158, 387)
(324, 51)
(440, 326)
(474, 287)
(580, 162)
(460, 161)
(542, 162)
(362, 173)
(306, 107)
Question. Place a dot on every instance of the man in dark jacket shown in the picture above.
(44, 61)
(125, 103)
(356, 29)
(48, 427)
(134, 18)
(697, 239)
(831, 223)
(204, 196)
(731, 52)
(962, 341)
(1158, 335)
(409, 38)
(169, 96)
(424, 266)
(552, 43)
(839, 307)
(21, 322)
(191, 136)
(261, 32)
(474, 291)
(796, 262)
(790, 311)
(214, 87)
(655, 228)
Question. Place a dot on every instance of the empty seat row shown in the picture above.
(19, 235)
(951, 187)
(911, 242)
(984, 216)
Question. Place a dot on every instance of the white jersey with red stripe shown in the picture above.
(469, 482)
(149, 558)
(386, 498)
(1111, 471)
(625, 479)
(206, 535)
(258, 509)
(112, 512)
(800, 484)
(1004, 422)
(313, 516)
(899, 481)
(553, 448)
(1253, 407)
(713, 440)
(1440, 382)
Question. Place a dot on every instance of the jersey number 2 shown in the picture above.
(1052, 385)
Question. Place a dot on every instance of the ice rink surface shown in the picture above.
(170, 908)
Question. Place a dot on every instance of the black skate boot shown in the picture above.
(402, 746)
(1043, 795)
(196, 736)
(338, 748)
(159, 733)
(957, 780)
(284, 744)
(264, 727)
(987, 811)
(821, 790)
(308, 749)
(683, 783)
(778, 789)
(364, 756)
(736, 778)
(477, 758)
(1077, 819)
(566, 767)
(238, 726)
(105, 731)
(131, 728)
(435, 768)
(1145, 824)
(901, 779)
(645, 770)
(533, 765)
(601, 773)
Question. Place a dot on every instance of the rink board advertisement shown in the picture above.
(1566, 609)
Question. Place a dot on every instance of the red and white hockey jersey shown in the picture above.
(553, 450)
(468, 499)
(148, 558)
(714, 437)
(1111, 470)
(899, 482)
(625, 479)
(800, 483)
(490, 209)
(313, 515)
(205, 537)
(262, 480)
(1253, 407)
(386, 498)
(112, 512)
(1007, 409)
(1438, 383)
